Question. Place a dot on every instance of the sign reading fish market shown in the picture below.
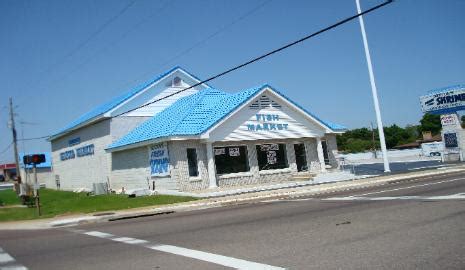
(446, 100)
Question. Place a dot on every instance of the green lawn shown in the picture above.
(54, 203)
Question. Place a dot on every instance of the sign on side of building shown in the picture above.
(444, 101)
(159, 160)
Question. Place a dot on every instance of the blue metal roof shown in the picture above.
(46, 164)
(446, 89)
(100, 110)
(195, 114)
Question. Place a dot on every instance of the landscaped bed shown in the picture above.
(54, 203)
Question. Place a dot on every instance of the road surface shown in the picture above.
(410, 225)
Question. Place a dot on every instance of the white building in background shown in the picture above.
(196, 139)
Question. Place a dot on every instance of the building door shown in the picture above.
(300, 157)
(325, 152)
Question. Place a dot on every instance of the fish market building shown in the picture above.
(193, 140)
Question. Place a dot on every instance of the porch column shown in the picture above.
(211, 166)
(321, 157)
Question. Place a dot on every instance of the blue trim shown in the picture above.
(448, 110)
(102, 109)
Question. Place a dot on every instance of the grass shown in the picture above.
(54, 203)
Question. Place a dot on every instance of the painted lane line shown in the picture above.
(6, 258)
(458, 196)
(13, 267)
(185, 252)
(213, 258)
(99, 234)
(7, 262)
(129, 240)
(409, 187)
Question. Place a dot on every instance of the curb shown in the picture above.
(249, 197)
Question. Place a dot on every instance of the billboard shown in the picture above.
(446, 100)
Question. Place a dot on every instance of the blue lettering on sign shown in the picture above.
(67, 155)
(85, 151)
(74, 141)
(273, 118)
(159, 166)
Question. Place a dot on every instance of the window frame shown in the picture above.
(233, 173)
(196, 162)
(287, 168)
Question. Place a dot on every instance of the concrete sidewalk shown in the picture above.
(230, 197)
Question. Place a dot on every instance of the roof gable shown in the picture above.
(115, 103)
(196, 114)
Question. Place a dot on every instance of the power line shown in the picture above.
(35, 138)
(87, 40)
(343, 21)
(210, 36)
(262, 56)
(6, 149)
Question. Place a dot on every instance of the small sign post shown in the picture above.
(36, 189)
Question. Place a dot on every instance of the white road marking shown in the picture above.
(99, 234)
(190, 253)
(409, 187)
(458, 196)
(426, 167)
(13, 267)
(6, 258)
(9, 263)
(213, 258)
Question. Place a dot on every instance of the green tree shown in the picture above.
(431, 122)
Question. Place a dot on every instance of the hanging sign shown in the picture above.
(159, 160)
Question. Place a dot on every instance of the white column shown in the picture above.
(211, 166)
(321, 157)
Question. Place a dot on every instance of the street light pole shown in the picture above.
(374, 91)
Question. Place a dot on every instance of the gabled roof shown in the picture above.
(106, 107)
(195, 114)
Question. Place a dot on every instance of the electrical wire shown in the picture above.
(260, 57)
(6, 149)
(343, 21)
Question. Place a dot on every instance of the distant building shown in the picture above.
(7, 171)
(193, 140)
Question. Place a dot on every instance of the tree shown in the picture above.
(431, 122)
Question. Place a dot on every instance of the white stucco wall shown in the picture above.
(83, 171)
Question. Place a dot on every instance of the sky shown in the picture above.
(61, 59)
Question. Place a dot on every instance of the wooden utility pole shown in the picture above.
(15, 142)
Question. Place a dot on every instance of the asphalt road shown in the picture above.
(411, 225)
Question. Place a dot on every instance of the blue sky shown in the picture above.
(62, 58)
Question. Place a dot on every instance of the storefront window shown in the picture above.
(325, 152)
(272, 156)
(192, 162)
(231, 159)
(300, 157)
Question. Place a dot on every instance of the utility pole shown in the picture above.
(15, 142)
(374, 91)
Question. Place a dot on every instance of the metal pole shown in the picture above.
(36, 189)
(15, 142)
(374, 91)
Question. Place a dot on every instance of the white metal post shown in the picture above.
(211, 166)
(374, 91)
(321, 156)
